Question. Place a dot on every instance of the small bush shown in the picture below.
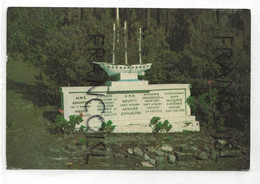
(107, 127)
(64, 126)
(158, 126)
(205, 107)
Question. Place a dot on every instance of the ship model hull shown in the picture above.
(113, 70)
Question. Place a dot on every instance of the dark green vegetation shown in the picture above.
(107, 127)
(210, 49)
(157, 126)
(51, 47)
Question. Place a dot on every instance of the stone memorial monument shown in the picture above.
(129, 103)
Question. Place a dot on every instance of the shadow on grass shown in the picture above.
(37, 93)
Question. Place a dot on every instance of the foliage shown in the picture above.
(83, 128)
(82, 140)
(184, 46)
(64, 126)
(206, 106)
(158, 126)
(107, 127)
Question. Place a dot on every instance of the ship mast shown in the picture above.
(140, 45)
(125, 42)
(117, 22)
(114, 44)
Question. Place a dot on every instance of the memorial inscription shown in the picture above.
(130, 106)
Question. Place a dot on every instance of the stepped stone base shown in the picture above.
(130, 105)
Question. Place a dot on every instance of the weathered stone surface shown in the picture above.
(206, 149)
(109, 151)
(146, 157)
(183, 156)
(138, 152)
(166, 148)
(214, 154)
(187, 148)
(201, 155)
(159, 159)
(130, 151)
(230, 153)
(238, 147)
(85, 148)
(152, 161)
(72, 147)
(220, 144)
(78, 153)
(58, 158)
(119, 157)
(159, 153)
(147, 164)
(151, 149)
(56, 150)
(171, 159)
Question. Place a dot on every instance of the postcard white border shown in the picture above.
(136, 177)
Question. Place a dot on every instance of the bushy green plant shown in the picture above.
(107, 127)
(64, 126)
(158, 126)
(82, 140)
(83, 128)
(205, 106)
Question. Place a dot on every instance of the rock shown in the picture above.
(159, 153)
(78, 153)
(72, 147)
(152, 161)
(58, 158)
(119, 157)
(109, 151)
(59, 138)
(69, 164)
(229, 146)
(159, 159)
(171, 159)
(65, 151)
(147, 164)
(238, 147)
(206, 149)
(151, 149)
(146, 157)
(201, 155)
(68, 136)
(166, 148)
(244, 150)
(85, 148)
(130, 151)
(138, 152)
(56, 150)
(183, 156)
(220, 144)
(230, 153)
(187, 148)
(214, 154)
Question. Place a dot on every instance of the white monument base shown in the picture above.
(130, 105)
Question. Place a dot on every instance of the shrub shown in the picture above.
(158, 126)
(64, 126)
(205, 106)
(107, 127)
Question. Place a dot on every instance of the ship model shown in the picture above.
(113, 69)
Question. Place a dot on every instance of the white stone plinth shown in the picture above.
(131, 107)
